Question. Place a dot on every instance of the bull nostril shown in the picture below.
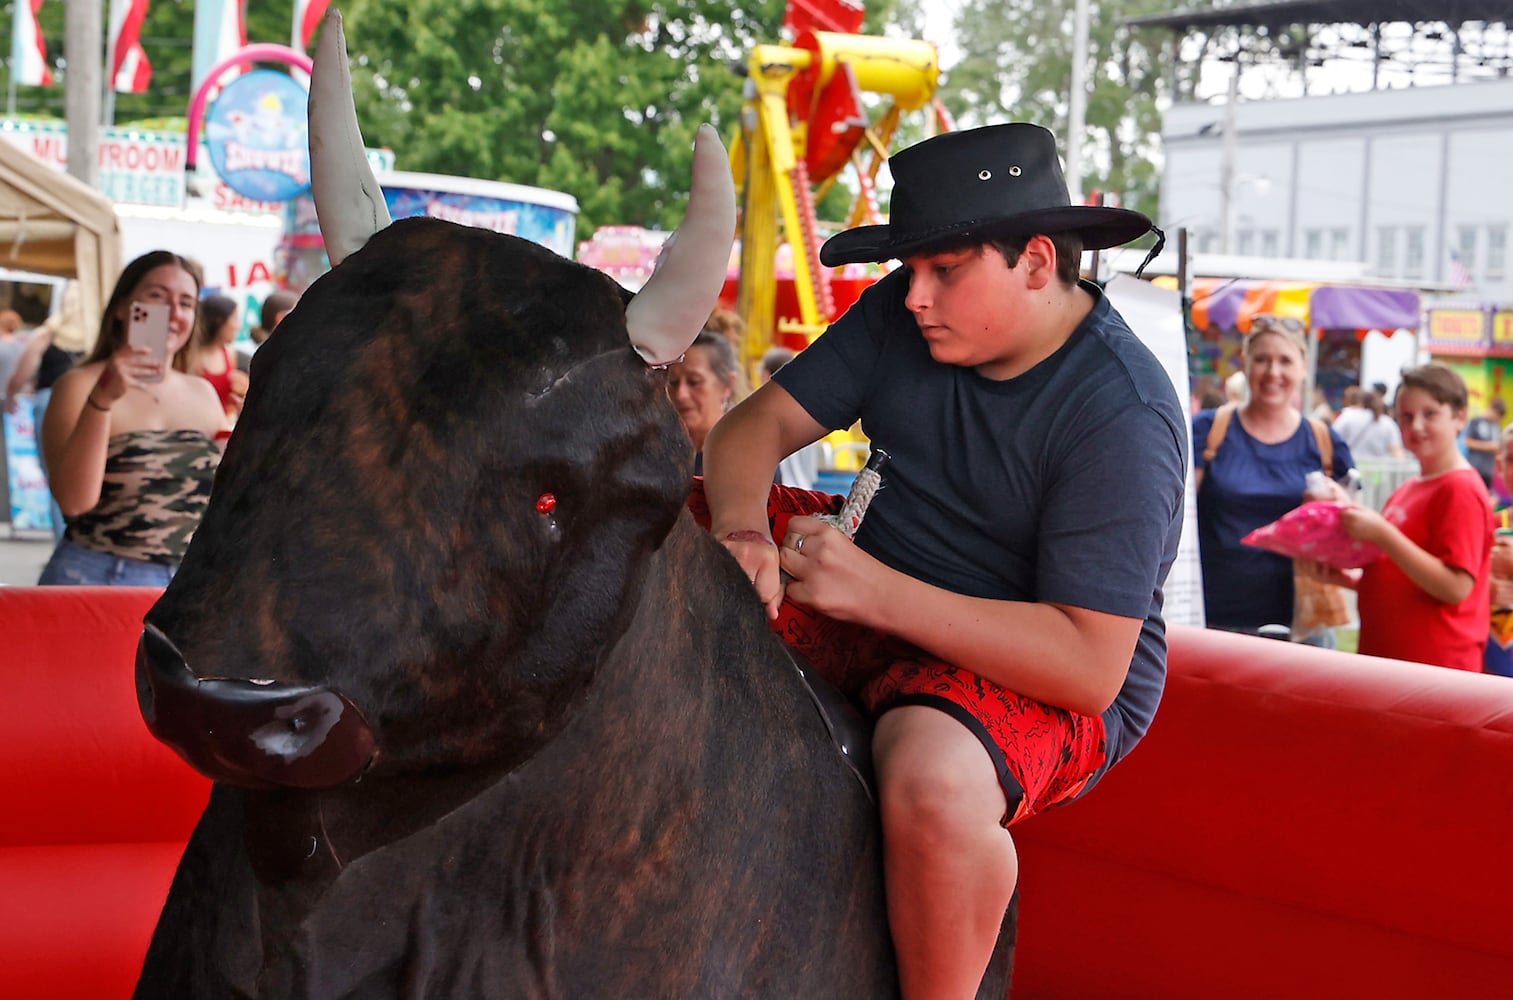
(156, 653)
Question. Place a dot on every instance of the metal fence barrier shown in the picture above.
(1380, 476)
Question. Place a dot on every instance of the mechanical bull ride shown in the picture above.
(487, 714)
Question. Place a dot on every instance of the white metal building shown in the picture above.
(1405, 180)
(1411, 178)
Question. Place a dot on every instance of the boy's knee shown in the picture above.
(937, 784)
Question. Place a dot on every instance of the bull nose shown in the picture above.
(257, 734)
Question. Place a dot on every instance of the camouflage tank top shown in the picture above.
(156, 486)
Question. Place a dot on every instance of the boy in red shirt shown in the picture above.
(1426, 599)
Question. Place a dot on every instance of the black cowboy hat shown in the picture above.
(981, 183)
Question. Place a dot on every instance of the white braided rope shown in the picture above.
(857, 501)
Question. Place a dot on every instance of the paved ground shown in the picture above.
(22, 556)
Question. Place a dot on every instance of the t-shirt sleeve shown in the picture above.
(1111, 515)
(830, 378)
(1464, 530)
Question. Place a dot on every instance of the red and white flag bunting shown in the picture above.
(307, 15)
(29, 66)
(130, 70)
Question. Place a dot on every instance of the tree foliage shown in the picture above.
(1016, 65)
(598, 98)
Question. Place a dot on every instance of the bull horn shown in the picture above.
(348, 201)
(256, 734)
(668, 313)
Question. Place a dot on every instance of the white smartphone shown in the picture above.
(149, 328)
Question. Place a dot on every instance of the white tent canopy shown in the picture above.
(51, 223)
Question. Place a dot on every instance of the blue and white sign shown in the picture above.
(256, 132)
(31, 503)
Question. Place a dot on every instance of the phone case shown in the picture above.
(149, 328)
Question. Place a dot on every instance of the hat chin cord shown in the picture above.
(1154, 252)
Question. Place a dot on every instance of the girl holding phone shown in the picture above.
(131, 439)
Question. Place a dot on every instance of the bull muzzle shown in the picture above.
(256, 734)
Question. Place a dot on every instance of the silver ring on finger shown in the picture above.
(798, 546)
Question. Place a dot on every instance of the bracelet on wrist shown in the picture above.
(90, 399)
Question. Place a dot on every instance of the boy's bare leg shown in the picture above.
(950, 866)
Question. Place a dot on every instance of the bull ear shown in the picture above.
(348, 201)
(672, 308)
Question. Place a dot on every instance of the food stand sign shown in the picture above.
(1457, 331)
(256, 132)
(1502, 333)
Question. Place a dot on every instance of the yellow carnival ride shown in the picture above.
(806, 119)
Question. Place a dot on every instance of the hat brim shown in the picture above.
(1099, 227)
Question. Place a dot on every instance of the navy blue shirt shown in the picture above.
(1063, 484)
(1250, 484)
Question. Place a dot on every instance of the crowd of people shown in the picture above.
(130, 440)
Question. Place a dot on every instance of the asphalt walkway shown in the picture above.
(22, 555)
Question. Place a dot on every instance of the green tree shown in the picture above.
(599, 98)
(1016, 65)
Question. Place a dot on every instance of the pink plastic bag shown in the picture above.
(1313, 531)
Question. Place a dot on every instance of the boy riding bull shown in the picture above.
(999, 612)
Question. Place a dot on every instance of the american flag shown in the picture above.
(1459, 276)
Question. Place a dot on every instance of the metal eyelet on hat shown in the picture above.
(983, 175)
(1014, 171)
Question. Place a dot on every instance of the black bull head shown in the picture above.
(429, 524)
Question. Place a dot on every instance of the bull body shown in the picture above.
(594, 771)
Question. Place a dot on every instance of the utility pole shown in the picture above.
(1227, 153)
(83, 48)
(1077, 104)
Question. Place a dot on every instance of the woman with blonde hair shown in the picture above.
(1250, 462)
(132, 443)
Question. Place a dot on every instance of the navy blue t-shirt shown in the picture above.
(1247, 485)
(1063, 484)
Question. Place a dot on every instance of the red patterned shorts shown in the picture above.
(1044, 755)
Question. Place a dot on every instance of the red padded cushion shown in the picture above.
(75, 920)
(1297, 823)
(77, 764)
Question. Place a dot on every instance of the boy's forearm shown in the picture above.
(1068, 657)
(1427, 571)
(740, 456)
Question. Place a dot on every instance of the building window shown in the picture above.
(1465, 247)
(1208, 241)
(1270, 241)
(1246, 244)
(1339, 244)
(1413, 252)
(1497, 251)
(1386, 251)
